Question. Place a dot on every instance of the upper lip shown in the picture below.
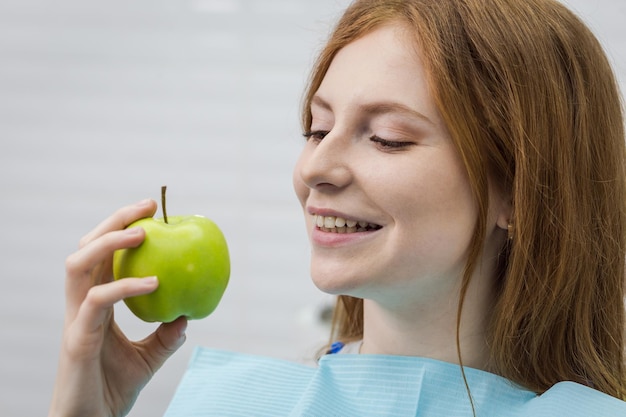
(329, 212)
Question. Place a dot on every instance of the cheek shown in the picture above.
(441, 213)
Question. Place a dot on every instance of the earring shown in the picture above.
(510, 231)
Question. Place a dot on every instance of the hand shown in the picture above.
(100, 371)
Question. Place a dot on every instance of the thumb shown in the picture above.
(166, 340)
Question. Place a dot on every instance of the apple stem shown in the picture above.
(163, 190)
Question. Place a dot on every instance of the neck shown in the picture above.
(429, 328)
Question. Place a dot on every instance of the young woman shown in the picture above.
(463, 186)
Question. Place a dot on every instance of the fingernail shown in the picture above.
(182, 332)
(134, 230)
(143, 203)
(150, 282)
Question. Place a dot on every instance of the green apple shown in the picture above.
(189, 256)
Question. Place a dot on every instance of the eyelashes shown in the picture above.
(319, 135)
(390, 144)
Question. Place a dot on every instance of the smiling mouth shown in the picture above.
(332, 224)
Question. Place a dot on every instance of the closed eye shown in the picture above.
(316, 135)
(390, 144)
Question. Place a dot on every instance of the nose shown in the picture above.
(324, 165)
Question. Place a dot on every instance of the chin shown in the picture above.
(334, 283)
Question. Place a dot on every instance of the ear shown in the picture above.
(504, 214)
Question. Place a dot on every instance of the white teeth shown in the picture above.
(329, 222)
(340, 225)
(319, 221)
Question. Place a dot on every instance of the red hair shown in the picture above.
(533, 106)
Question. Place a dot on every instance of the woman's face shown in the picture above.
(380, 156)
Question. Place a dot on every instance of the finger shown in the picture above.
(100, 299)
(85, 259)
(91, 265)
(161, 344)
(120, 220)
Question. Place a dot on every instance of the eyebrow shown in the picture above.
(378, 108)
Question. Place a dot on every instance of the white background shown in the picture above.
(102, 102)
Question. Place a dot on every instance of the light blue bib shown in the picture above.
(225, 384)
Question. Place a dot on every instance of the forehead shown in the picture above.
(383, 65)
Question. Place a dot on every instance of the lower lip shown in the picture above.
(330, 239)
